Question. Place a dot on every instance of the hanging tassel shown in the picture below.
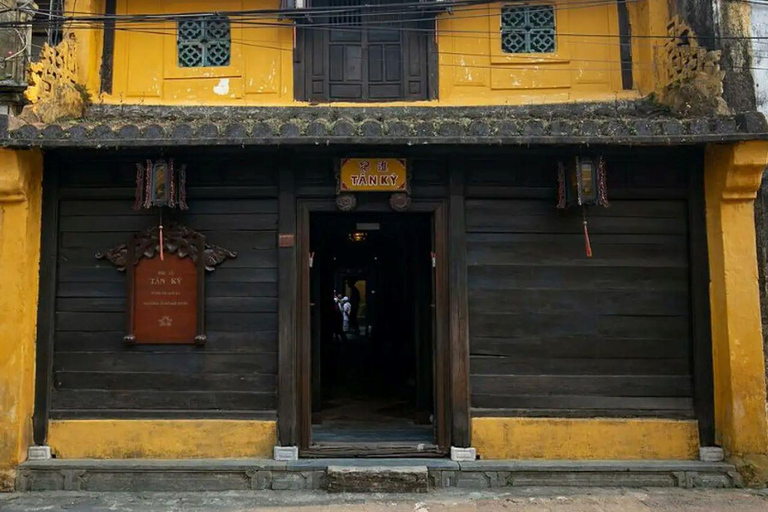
(160, 237)
(162, 255)
(586, 235)
(586, 240)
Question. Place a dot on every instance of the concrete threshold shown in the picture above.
(362, 475)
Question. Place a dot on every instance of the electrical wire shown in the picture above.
(484, 34)
(362, 9)
(512, 66)
(423, 7)
(98, 25)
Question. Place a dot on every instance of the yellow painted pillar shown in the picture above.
(20, 202)
(732, 177)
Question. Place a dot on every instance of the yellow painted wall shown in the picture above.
(146, 70)
(591, 439)
(161, 439)
(472, 68)
(732, 178)
(20, 202)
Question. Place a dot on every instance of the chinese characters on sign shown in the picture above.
(373, 175)
(165, 300)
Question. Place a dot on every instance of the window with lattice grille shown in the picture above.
(203, 43)
(528, 29)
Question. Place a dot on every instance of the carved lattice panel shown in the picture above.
(528, 29)
(203, 43)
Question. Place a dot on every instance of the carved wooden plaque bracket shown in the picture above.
(166, 294)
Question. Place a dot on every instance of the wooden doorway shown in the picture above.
(354, 423)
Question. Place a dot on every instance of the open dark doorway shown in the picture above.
(372, 328)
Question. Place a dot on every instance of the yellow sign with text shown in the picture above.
(373, 175)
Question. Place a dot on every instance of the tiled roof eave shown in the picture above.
(614, 124)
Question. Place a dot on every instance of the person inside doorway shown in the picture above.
(346, 310)
(354, 302)
(339, 333)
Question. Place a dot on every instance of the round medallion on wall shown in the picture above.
(400, 201)
(346, 202)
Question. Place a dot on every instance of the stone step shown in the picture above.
(377, 479)
(361, 475)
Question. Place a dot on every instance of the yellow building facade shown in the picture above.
(470, 70)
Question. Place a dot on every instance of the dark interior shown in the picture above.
(372, 375)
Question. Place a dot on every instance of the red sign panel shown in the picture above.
(165, 300)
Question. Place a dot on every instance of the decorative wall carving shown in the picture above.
(690, 81)
(53, 89)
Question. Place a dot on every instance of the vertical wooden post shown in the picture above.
(46, 310)
(703, 385)
(625, 41)
(459, 311)
(286, 272)
(108, 47)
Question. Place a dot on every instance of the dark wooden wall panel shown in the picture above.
(235, 374)
(554, 333)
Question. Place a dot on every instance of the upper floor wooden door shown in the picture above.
(362, 54)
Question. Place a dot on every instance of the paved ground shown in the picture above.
(528, 500)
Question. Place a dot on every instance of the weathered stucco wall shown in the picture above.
(759, 27)
(711, 19)
(20, 203)
(739, 87)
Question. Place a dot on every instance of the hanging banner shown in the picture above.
(373, 175)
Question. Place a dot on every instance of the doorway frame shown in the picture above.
(444, 357)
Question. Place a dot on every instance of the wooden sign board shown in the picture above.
(166, 288)
(373, 175)
(166, 298)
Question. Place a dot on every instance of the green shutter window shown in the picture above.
(203, 43)
(529, 29)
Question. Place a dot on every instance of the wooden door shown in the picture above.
(362, 55)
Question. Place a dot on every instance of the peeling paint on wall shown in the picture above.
(222, 88)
